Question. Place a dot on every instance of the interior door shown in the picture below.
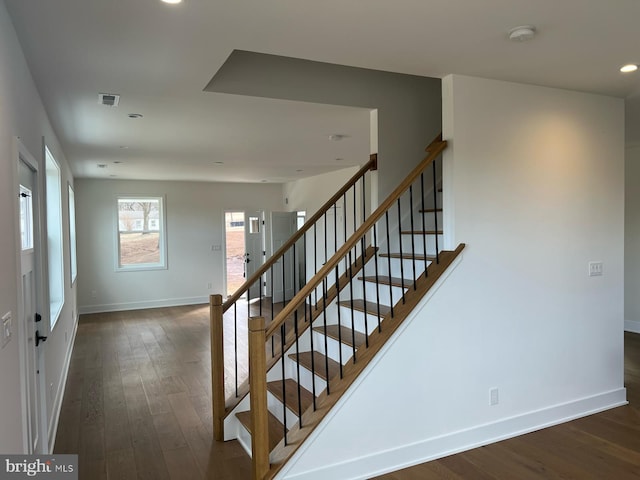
(31, 327)
(254, 248)
(283, 225)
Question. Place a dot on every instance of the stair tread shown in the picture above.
(421, 232)
(276, 429)
(291, 391)
(345, 334)
(319, 364)
(370, 307)
(408, 256)
(431, 210)
(385, 280)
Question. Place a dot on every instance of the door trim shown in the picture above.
(21, 154)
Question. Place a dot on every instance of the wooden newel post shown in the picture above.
(217, 366)
(258, 399)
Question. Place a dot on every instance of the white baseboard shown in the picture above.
(632, 326)
(62, 384)
(119, 307)
(379, 463)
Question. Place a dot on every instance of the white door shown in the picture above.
(254, 248)
(31, 327)
(283, 225)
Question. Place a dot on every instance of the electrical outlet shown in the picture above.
(94, 294)
(494, 400)
(595, 269)
(209, 285)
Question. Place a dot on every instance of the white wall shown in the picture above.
(22, 114)
(535, 180)
(311, 193)
(195, 222)
(632, 240)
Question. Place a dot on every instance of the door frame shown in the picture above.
(21, 154)
(264, 226)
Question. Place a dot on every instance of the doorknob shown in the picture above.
(38, 317)
(40, 338)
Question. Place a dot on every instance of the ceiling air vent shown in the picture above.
(108, 99)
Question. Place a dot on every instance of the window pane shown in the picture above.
(254, 225)
(54, 237)
(72, 234)
(140, 235)
(26, 218)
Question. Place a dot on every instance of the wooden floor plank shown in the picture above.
(110, 382)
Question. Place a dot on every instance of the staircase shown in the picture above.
(336, 323)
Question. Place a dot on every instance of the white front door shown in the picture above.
(32, 329)
(254, 248)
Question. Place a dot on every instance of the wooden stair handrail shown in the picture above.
(434, 149)
(372, 164)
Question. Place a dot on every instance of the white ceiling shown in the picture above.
(159, 58)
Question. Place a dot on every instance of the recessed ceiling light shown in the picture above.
(263, 181)
(218, 163)
(135, 115)
(299, 170)
(116, 162)
(630, 67)
(339, 159)
(102, 165)
(522, 33)
(172, 2)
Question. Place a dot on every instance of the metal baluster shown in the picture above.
(435, 212)
(401, 253)
(386, 217)
(375, 259)
(413, 241)
(235, 343)
(364, 293)
(284, 392)
(313, 363)
(326, 346)
(273, 341)
(424, 226)
(295, 327)
(339, 319)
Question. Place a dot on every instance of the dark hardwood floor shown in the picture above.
(137, 404)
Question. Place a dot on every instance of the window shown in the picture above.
(72, 234)
(301, 215)
(26, 218)
(54, 238)
(141, 234)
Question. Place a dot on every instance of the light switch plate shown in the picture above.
(595, 269)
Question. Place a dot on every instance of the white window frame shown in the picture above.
(163, 263)
(73, 255)
(55, 251)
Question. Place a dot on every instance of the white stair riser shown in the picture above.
(419, 242)
(395, 263)
(359, 323)
(275, 407)
(388, 295)
(332, 348)
(306, 377)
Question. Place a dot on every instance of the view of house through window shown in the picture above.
(140, 233)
